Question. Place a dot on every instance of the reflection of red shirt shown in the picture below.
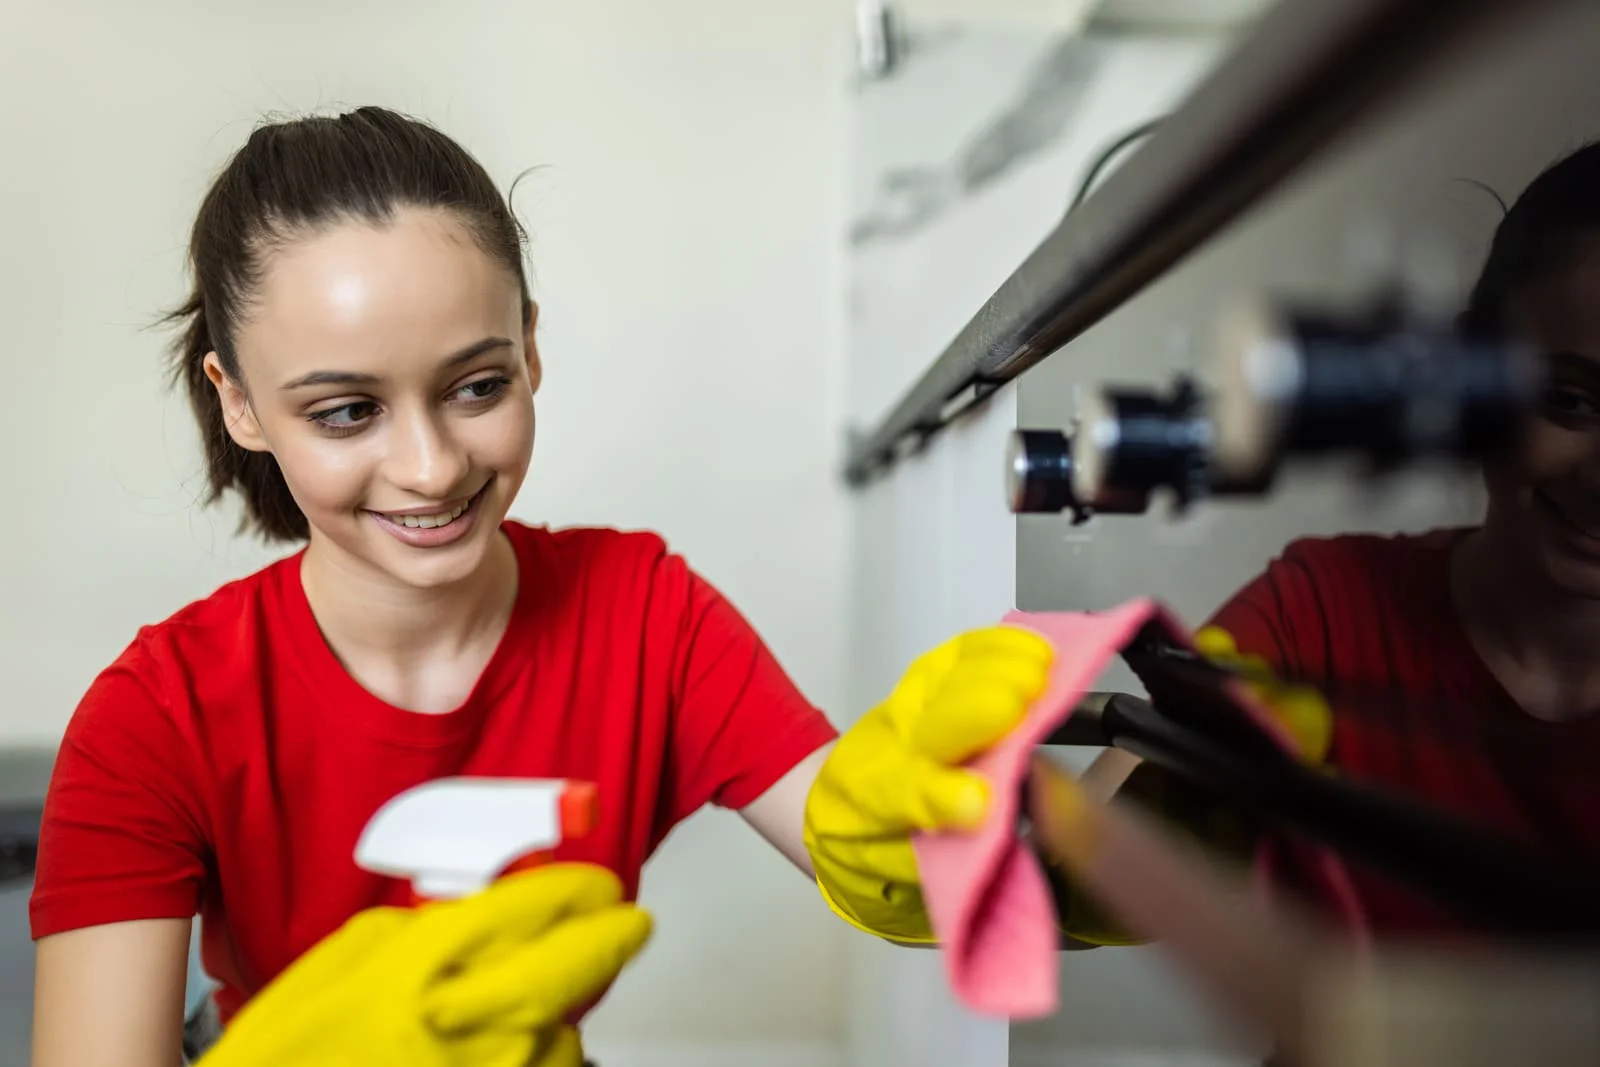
(1376, 612)
(226, 763)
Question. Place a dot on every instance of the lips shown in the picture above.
(428, 522)
(414, 520)
(433, 528)
(1579, 524)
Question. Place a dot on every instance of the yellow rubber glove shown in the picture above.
(897, 771)
(486, 981)
(1301, 710)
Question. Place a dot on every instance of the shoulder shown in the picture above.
(1354, 565)
(168, 662)
(1359, 553)
(599, 555)
(593, 576)
(1321, 594)
(577, 545)
(222, 622)
(1360, 572)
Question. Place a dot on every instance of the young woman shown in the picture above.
(1487, 639)
(359, 350)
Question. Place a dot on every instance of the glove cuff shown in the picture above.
(903, 929)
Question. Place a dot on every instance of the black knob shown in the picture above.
(1039, 474)
(1375, 382)
(1132, 442)
(1125, 445)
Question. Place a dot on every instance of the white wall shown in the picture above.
(686, 253)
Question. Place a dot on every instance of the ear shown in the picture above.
(530, 347)
(237, 415)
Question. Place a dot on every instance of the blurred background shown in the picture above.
(752, 226)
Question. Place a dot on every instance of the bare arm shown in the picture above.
(111, 996)
(779, 814)
(1105, 777)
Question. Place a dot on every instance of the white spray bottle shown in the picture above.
(451, 837)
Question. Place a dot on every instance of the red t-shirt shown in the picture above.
(226, 763)
(1376, 613)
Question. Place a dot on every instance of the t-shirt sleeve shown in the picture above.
(739, 722)
(121, 839)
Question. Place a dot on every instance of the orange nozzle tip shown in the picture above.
(580, 810)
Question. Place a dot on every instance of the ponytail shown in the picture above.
(1542, 232)
(270, 509)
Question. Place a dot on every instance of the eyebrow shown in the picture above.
(1574, 361)
(343, 377)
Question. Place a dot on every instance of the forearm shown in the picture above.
(111, 996)
(779, 814)
(1105, 777)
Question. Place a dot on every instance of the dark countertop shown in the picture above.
(24, 777)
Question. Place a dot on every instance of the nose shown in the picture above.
(424, 458)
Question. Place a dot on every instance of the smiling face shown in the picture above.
(1545, 504)
(390, 373)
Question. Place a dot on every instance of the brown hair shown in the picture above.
(291, 179)
(1538, 235)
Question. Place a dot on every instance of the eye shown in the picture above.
(346, 418)
(482, 390)
(1569, 402)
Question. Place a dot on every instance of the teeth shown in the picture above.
(428, 522)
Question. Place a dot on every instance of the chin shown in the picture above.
(1577, 577)
(434, 568)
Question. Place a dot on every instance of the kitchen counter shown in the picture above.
(24, 776)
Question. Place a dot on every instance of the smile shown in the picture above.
(432, 529)
(428, 522)
(1566, 518)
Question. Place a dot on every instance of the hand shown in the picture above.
(1300, 710)
(897, 771)
(485, 981)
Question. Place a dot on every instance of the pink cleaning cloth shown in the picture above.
(989, 902)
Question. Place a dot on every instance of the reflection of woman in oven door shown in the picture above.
(1487, 637)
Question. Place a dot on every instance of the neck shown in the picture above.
(1539, 640)
(364, 612)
